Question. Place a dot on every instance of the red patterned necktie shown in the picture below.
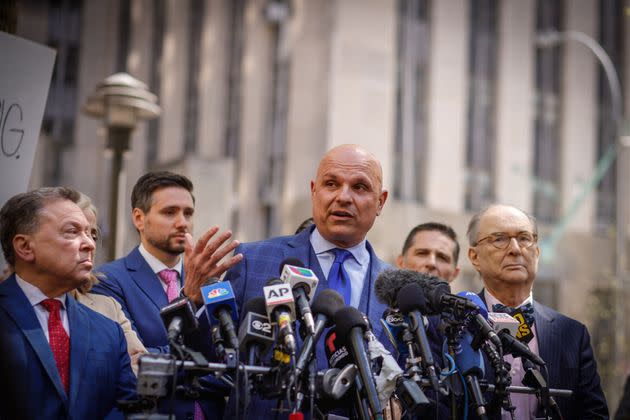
(59, 341)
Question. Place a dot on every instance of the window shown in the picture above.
(610, 37)
(411, 120)
(481, 104)
(546, 160)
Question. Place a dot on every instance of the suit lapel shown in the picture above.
(20, 310)
(546, 335)
(300, 248)
(79, 345)
(145, 278)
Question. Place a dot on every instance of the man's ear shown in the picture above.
(137, 216)
(381, 202)
(456, 273)
(473, 257)
(399, 261)
(22, 247)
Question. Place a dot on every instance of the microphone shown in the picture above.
(303, 283)
(412, 303)
(179, 318)
(351, 327)
(281, 310)
(221, 308)
(255, 335)
(480, 319)
(436, 291)
(394, 325)
(325, 304)
(504, 324)
(470, 364)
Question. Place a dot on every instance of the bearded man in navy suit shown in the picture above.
(58, 358)
(163, 206)
(504, 250)
(347, 196)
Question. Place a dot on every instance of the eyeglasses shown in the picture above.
(502, 240)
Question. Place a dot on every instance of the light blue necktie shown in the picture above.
(338, 278)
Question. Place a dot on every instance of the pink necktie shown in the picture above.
(169, 277)
(58, 340)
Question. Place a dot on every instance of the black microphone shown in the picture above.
(325, 305)
(514, 347)
(179, 318)
(303, 282)
(351, 327)
(437, 292)
(256, 334)
(412, 303)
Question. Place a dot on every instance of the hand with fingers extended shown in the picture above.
(202, 260)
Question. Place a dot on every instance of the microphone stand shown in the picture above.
(534, 379)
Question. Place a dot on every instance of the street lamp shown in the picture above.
(552, 38)
(121, 101)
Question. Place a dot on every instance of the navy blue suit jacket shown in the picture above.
(131, 281)
(261, 261)
(565, 345)
(30, 385)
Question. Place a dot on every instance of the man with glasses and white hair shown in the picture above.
(504, 250)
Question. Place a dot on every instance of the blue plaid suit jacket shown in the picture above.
(261, 261)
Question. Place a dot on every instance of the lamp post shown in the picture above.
(120, 101)
(552, 38)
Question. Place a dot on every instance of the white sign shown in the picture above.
(25, 72)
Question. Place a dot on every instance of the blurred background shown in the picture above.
(465, 102)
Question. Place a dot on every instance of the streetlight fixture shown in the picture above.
(553, 38)
(121, 101)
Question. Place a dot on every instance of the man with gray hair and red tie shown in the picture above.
(58, 358)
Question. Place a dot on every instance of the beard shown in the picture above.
(167, 245)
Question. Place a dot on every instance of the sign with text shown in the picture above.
(25, 72)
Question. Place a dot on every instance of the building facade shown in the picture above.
(457, 98)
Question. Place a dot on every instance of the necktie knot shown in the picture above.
(527, 310)
(51, 305)
(341, 255)
(169, 277)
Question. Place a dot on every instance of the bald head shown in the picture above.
(347, 194)
(493, 209)
(349, 154)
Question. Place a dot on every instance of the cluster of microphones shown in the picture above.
(274, 350)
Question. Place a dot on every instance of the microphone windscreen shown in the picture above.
(290, 261)
(389, 283)
(255, 305)
(411, 297)
(327, 303)
(346, 319)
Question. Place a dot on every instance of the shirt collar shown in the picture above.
(321, 245)
(157, 265)
(34, 295)
(491, 300)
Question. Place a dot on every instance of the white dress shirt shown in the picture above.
(35, 297)
(356, 267)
